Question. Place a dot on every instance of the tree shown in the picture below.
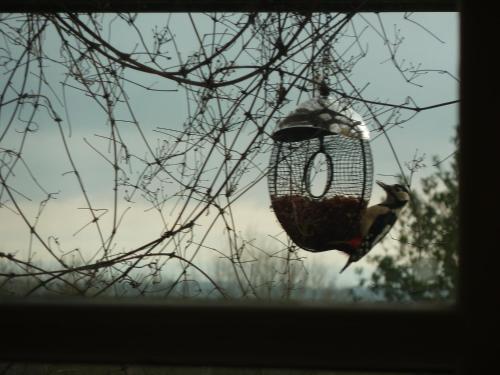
(127, 140)
(425, 266)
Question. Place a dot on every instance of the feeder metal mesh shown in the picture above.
(321, 222)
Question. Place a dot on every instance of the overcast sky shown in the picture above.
(429, 134)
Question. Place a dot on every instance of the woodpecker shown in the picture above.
(378, 220)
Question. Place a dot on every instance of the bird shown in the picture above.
(377, 221)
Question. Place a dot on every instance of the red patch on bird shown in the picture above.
(355, 242)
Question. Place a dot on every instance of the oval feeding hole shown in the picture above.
(318, 174)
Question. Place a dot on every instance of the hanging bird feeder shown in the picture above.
(320, 174)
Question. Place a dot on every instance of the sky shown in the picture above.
(430, 43)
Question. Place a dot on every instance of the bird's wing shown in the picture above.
(370, 215)
(382, 219)
(381, 225)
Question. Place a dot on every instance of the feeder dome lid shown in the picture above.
(319, 117)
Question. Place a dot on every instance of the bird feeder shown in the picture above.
(320, 174)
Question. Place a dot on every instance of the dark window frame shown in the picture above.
(361, 337)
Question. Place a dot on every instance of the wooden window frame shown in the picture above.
(355, 337)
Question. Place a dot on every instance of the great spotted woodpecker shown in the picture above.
(377, 221)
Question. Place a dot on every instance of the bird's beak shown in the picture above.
(382, 185)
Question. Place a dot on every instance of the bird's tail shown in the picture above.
(349, 261)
